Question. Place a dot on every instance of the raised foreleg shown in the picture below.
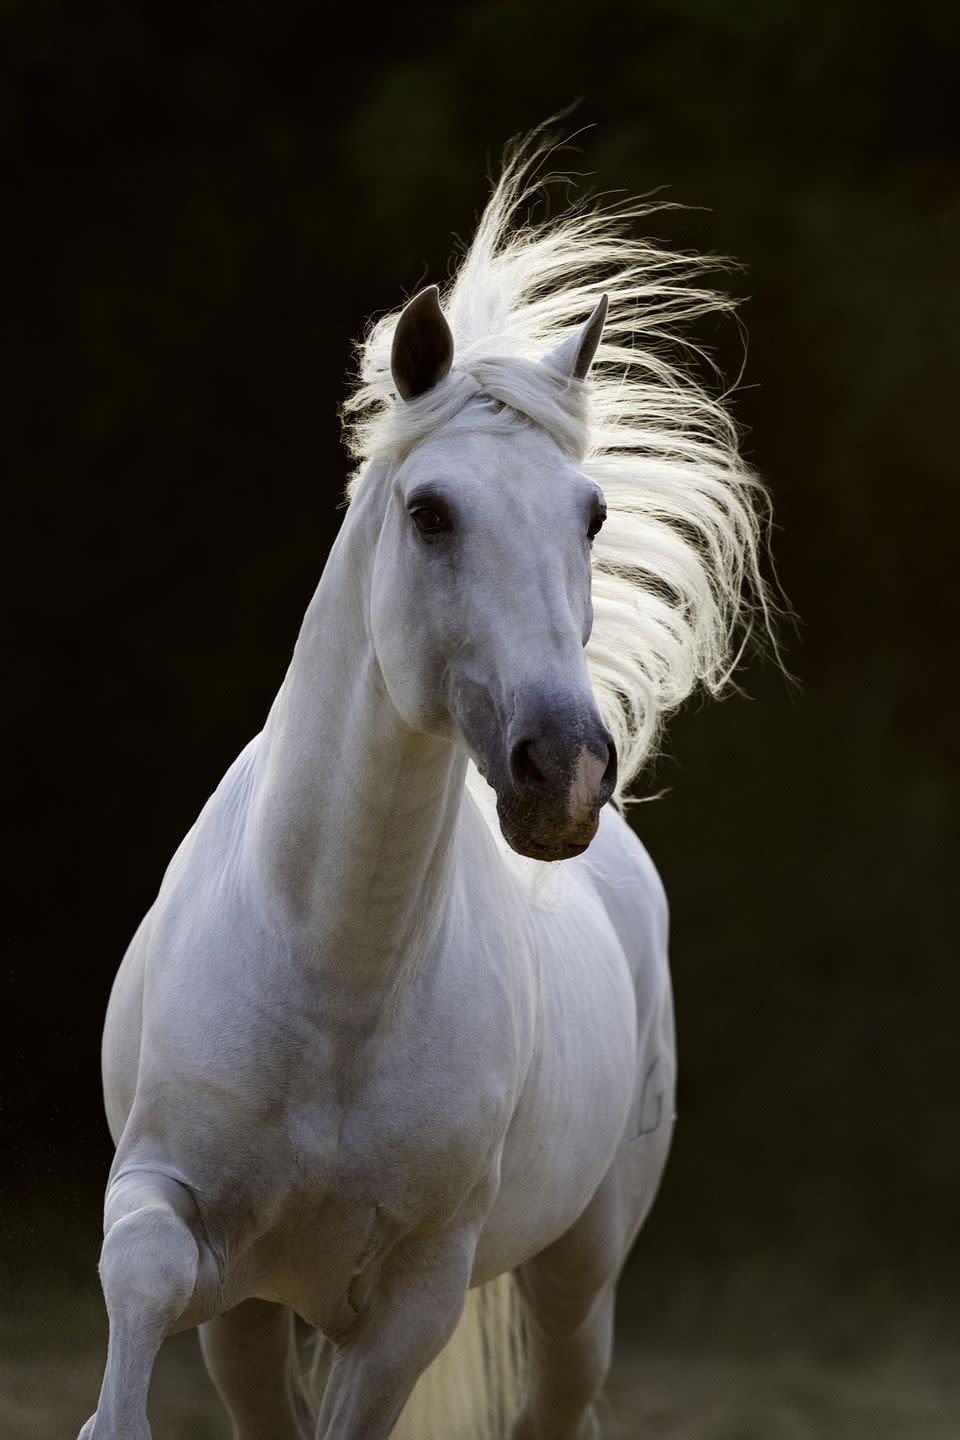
(157, 1275)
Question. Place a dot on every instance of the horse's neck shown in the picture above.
(354, 815)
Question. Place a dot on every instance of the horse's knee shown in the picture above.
(148, 1266)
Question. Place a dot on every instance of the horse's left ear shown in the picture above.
(575, 356)
(422, 350)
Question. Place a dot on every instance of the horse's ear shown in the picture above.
(575, 356)
(422, 346)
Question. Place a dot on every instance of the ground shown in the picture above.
(746, 1359)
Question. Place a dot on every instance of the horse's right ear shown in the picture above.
(422, 346)
(574, 356)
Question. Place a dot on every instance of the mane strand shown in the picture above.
(677, 583)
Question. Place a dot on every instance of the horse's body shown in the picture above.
(359, 1056)
(310, 1120)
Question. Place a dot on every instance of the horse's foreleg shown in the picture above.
(251, 1358)
(153, 1273)
(568, 1292)
(405, 1325)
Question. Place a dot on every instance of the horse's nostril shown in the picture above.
(609, 781)
(523, 767)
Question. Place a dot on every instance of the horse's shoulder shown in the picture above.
(628, 882)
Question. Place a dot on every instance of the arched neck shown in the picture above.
(353, 814)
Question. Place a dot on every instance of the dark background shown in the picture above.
(204, 205)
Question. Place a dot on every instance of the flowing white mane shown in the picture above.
(676, 579)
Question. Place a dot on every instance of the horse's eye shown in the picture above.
(429, 521)
(596, 522)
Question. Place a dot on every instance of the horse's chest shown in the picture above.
(321, 1256)
(362, 1160)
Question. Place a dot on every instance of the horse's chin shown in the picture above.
(541, 848)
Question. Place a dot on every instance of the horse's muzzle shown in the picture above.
(558, 780)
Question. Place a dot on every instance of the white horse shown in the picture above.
(361, 1058)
